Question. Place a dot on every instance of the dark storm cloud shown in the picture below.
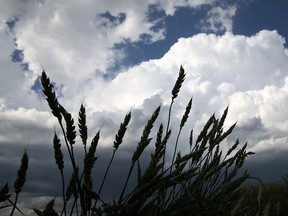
(43, 177)
(40, 176)
(270, 165)
(252, 130)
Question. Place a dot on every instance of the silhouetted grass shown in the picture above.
(203, 181)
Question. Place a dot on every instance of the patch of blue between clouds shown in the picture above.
(184, 23)
(12, 22)
(18, 57)
(157, 16)
(112, 21)
(133, 51)
(37, 87)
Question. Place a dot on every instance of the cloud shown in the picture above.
(268, 165)
(264, 120)
(25, 126)
(52, 29)
(219, 19)
(247, 73)
(76, 42)
(171, 6)
(12, 69)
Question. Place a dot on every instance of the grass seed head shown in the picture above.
(72, 188)
(90, 158)
(121, 132)
(4, 193)
(178, 83)
(186, 114)
(145, 140)
(70, 128)
(82, 125)
(159, 136)
(50, 95)
(58, 153)
(21, 174)
(49, 209)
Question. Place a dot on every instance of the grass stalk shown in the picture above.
(174, 93)
(182, 123)
(190, 182)
(20, 180)
(117, 142)
(60, 163)
(83, 127)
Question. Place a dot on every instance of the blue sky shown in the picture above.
(257, 15)
(251, 17)
(113, 57)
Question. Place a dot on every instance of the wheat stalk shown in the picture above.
(82, 126)
(143, 143)
(182, 123)
(198, 176)
(60, 163)
(175, 91)
(117, 142)
(21, 178)
(50, 95)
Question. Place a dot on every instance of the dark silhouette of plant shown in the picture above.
(263, 199)
(203, 181)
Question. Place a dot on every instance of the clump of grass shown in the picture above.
(203, 181)
(268, 198)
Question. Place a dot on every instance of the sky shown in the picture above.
(116, 56)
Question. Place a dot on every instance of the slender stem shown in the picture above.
(106, 172)
(67, 145)
(128, 177)
(162, 193)
(169, 116)
(173, 190)
(73, 206)
(74, 168)
(63, 192)
(14, 204)
(9, 200)
(167, 129)
(175, 149)
(85, 150)
(77, 211)
(105, 175)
